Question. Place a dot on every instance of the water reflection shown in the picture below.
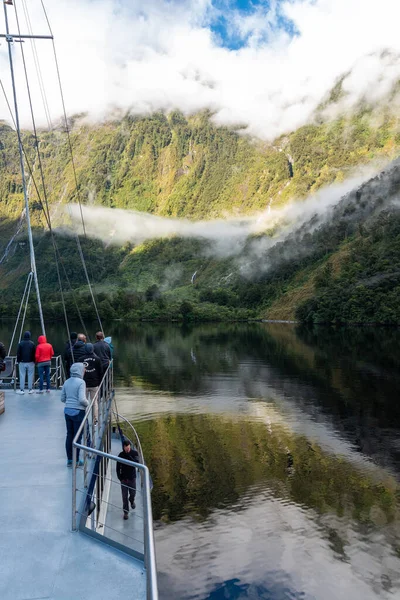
(275, 456)
(259, 441)
(200, 462)
(349, 377)
(275, 549)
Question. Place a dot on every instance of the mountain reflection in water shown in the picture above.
(275, 456)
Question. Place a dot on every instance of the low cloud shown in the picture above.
(143, 57)
(226, 237)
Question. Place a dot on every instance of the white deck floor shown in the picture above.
(40, 558)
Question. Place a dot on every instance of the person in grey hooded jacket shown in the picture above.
(73, 394)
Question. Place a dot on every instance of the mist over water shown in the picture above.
(274, 452)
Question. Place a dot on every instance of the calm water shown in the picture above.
(275, 455)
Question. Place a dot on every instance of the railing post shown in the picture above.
(149, 549)
(85, 438)
(58, 372)
(73, 488)
(15, 374)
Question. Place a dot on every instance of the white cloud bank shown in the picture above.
(144, 56)
(226, 237)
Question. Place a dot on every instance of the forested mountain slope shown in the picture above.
(171, 165)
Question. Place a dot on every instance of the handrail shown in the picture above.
(57, 374)
(139, 445)
(107, 382)
(98, 448)
(150, 555)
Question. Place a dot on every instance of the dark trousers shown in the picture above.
(44, 371)
(73, 424)
(128, 488)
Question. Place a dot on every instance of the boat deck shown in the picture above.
(127, 533)
(40, 557)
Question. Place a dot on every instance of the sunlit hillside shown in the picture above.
(176, 166)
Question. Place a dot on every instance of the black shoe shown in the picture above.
(133, 505)
(126, 517)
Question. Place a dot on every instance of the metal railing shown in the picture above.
(137, 439)
(91, 505)
(10, 377)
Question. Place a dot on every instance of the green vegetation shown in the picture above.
(200, 463)
(172, 165)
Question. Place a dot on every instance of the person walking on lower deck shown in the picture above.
(73, 393)
(44, 354)
(127, 477)
(26, 362)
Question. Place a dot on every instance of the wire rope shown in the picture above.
(67, 129)
(45, 207)
(41, 173)
(47, 217)
(26, 308)
(37, 66)
(29, 278)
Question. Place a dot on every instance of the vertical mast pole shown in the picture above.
(21, 160)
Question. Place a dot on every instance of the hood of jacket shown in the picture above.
(108, 339)
(27, 335)
(77, 370)
(89, 348)
(42, 339)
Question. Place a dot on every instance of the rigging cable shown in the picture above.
(47, 217)
(9, 40)
(26, 308)
(41, 172)
(37, 66)
(73, 169)
(28, 283)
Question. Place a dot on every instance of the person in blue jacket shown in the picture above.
(108, 341)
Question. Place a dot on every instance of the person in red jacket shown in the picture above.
(43, 356)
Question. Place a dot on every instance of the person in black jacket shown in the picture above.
(102, 349)
(127, 476)
(26, 360)
(93, 376)
(78, 350)
(69, 348)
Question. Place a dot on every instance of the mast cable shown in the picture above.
(41, 170)
(47, 214)
(47, 217)
(67, 129)
(21, 160)
(29, 278)
(26, 308)
(37, 66)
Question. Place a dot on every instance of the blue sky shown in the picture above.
(229, 12)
